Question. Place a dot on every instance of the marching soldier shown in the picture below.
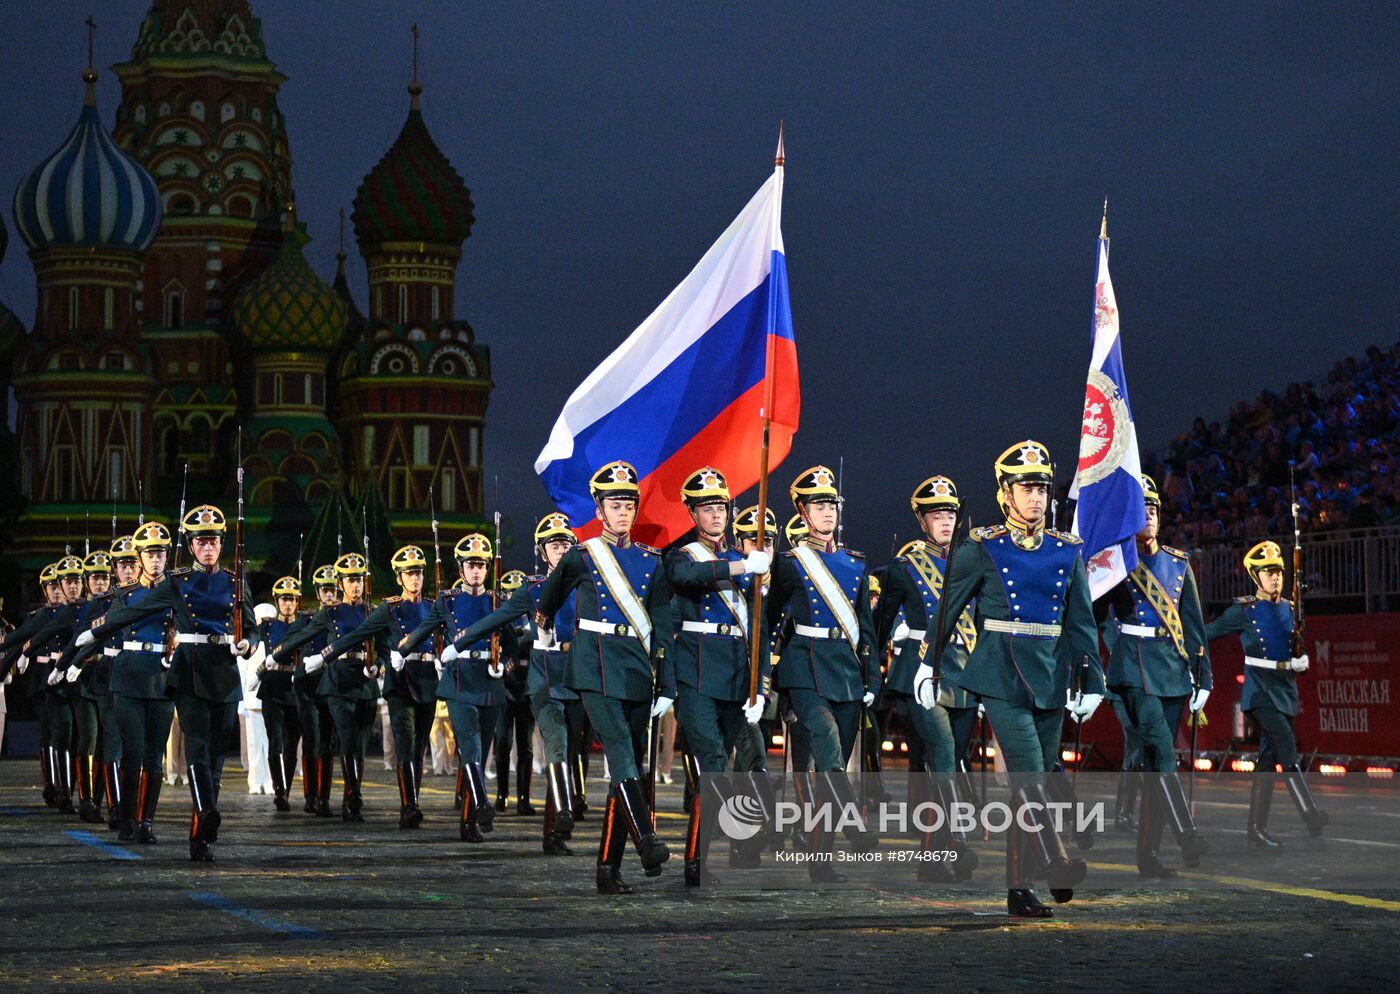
(46, 646)
(826, 667)
(410, 681)
(1157, 665)
(913, 585)
(349, 682)
(469, 681)
(203, 678)
(87, 683)
(16, 648)
(1264, 624)
(280, 712)
(313, 705)
(751, 751)
(1035, 616)
(711, 586)
(126, 569)
(620, 661)
(548, 694)
(517, 717)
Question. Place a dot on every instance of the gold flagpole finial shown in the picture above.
(781, 157)
(1103, 228)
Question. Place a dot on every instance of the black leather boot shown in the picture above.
(1313, 817)
(132, 782)
(1126, 801)
(324, 768)
(562, 795)
(278, 770)
(205, 801)
(652, 851)
(610, 846)
(1060, 872)
(112, 789)
(150, 795)
(476, 783)
(523, 773)
(703, 815)
(1193, 844)
(410, 815)
(63, 784)
(1261, 797)
(1149, 840)
(554, 843)
(310, 766)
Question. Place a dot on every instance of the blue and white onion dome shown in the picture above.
(88, 193)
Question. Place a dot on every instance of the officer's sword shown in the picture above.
(1195, 719)
(437, 564)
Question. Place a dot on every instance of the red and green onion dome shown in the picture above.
(288, 308)
(413, 194)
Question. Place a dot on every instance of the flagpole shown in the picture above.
(757, 630)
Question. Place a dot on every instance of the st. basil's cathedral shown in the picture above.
(175, 307)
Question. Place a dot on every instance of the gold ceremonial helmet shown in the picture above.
(124, 550)
(937, 493)
(206, 519)
(908, 547)
(474, 547)
(875, 585)
(616, 479)
(49, 574)
(817, 483)
(323, 577)
(553, 526)
(287, 586)
(705, 486)
(351, 564)
(98, 562)
(746, 523)
(68, 566)
(151, 535)
(1024, 462)
(513, 581)
(1265, 555)
(407, 558)
(795, 530)
(1149, 491)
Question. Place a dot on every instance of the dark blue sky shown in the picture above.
(946, 165)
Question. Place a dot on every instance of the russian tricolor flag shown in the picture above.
(690, 386)
(1109, 509)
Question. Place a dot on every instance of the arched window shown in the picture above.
(174, 309)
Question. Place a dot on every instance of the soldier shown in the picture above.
(469, 680)
(89, 684)
(14, 648)
(1157, 665)
(313, 706)
(913, 585)
(410, 681)
(279, 701)
(620, 661)
(350, 682)
(1036, 621)
(126, 569)
(1264, 623)
(751, 751)
(517, 717)
(203, 677)
(548, 694)
(826, 667)
(711, 590)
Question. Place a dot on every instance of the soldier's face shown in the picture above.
(617, 514)
(327, 596)
(711, 520)
(820, 516)
(72, 587)
(1270, 581)
(54, 593)
(939, 525)
(474, 573)
(153, 562)
(99, 584)
(411, 580)
(287, 606)
(126, 572)
(747, 545)
(206, 549)
(554, 551)
(1028, 501)
(353, 587)
(1154, 521)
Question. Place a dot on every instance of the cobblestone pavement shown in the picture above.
(306, 904)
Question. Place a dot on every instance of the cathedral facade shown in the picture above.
(179, 327)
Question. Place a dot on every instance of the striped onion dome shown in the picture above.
(88, 193)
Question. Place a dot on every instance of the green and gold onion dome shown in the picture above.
(288, 308)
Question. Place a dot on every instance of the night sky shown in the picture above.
(945, 175)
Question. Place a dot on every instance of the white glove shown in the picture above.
(396, 660)
(240, 649)
(548, 636)
(754, 711)
(1198, 699)
(10, 677)
(440, 668)
(22, 663)
(925, 687)
(371, 672)
(255, 682)
(165, 662)
(85, 637)
(313, 662)
(73, 674)
(495, 670)
(1299, 665)
(868, 699)
(54, 676)
(450, 654)
(1084, 708)
(757, 562)
(662, 705)
(901, 633)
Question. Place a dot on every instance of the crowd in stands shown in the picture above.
(1230, 482)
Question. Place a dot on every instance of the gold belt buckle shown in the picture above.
(620, 630)
(723, 629)
(836, 632)
(1161, 632)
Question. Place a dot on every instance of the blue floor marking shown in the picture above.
(258, 918)
(100, 844)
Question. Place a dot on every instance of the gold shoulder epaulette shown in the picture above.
(854, 554)
(393, 599)
(181, 571)
(647, 548)
(1065, 536)
(1248, 599)
(989, 531)
(1175, 552)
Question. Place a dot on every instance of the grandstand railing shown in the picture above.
(1356, 570)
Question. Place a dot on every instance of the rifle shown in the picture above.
(496, 592)
(114, 515)
(1081, 674)
(87, 532)
(301, 551)
(1197, 719)
(939, 642)
(437, 567)
(141, 501)
(1298, 586)
(369, 577)
(239, 583)
(184, 489)
(840, 507)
